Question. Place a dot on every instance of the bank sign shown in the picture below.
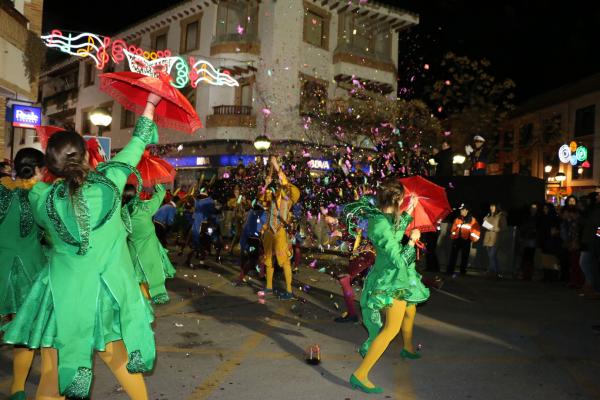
(26, 116)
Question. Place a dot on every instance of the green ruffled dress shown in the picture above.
(21, 252)
(150, 259)
(88, 294)
(393, 275)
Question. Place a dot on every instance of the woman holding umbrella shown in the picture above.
(387, 286)
(87, 298)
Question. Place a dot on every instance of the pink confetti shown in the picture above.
(240, 29)
(313, 264)
(266, 112)
(426, 66)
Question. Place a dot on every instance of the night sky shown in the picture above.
(538, 43)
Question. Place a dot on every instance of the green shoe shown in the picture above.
(407, 354)
(18, 396)
(356, 384)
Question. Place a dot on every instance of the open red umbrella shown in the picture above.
(44, 132)
(153, 171)
(432, 205)
(131, 90)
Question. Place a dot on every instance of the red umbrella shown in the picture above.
(153, 171)
(131, 90)
(432, 205)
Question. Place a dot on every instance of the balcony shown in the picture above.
(235, 43)
(231, 116)
(14, 25)
(352, 54)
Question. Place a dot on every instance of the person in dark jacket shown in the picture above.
(443, 160)
(528, 240)
(590, 248)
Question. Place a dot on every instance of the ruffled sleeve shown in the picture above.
(145, 132)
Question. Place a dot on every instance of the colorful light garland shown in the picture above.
(153, 63)
(572, 153)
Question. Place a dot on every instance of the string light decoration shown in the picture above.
(572, 154)
(101, 49)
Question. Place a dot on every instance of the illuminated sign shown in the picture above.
(101, 49)
(572, 154)
(26, 116)
(323, 165)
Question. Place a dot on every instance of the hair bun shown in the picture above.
(75, 174)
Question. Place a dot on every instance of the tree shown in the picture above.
(470, 100)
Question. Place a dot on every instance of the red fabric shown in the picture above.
(153, 170)
(131, 90)
(432, 205)
(467, 231)
(480, 165)
(44, 132)
(95, 157)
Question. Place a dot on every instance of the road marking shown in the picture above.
(211, 383)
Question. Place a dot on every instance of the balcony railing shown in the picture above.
(229, 116)
(349, 48)
(232, 110)
(235, 37)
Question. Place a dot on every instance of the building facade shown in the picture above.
(20, 27)
(289, 57)
(569, 115)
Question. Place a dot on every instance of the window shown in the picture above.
(525, 167)
(89, 74)
(526, 135)
(127, 118)
(246, 96)
(86, 124)
(551, 129)
(361, 35)
(159, 41)
(237, 20)
(190, 34)
(316, 27)
(313, 96)
(585, 119)
(508, 140)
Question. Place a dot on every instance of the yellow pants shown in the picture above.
(277, 242)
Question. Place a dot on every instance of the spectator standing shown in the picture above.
(570, 229)
(465, 230)
(443, 159)
(528, 241)
(494, 223)
(590, 248)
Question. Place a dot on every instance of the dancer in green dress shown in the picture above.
(87, 298)
(21, 256)
(150, 259)
(387, 286)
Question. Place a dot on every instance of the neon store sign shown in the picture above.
(26, 117)
(102, 49)
(572, 154)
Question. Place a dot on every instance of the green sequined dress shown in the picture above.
(21, 253)
(88, 294)
(150, 259)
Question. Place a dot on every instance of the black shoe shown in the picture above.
(347, 318)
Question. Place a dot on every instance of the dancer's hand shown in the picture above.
(415, 235)
(414, 199)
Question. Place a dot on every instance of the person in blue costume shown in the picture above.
(87, 298)
(250, 241)
(21, 256)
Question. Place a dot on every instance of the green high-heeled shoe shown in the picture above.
(356, 384)
(407, 354)
(18, 396)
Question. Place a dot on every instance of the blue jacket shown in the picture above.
(204, 210)
(252, 227)
(165, 215)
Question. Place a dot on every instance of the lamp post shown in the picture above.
(101, 118)
(262, 143)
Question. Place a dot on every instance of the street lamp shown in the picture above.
(101, 118)
(548, 169)
(262, 143)
(560, 177)
(458, 159)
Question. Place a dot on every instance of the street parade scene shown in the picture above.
(299, 199)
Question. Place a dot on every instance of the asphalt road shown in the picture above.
(480, 340)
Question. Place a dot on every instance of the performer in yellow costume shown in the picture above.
(278, 200)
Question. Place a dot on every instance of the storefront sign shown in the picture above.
(26, 116)
(188, 162)
(322, 165)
